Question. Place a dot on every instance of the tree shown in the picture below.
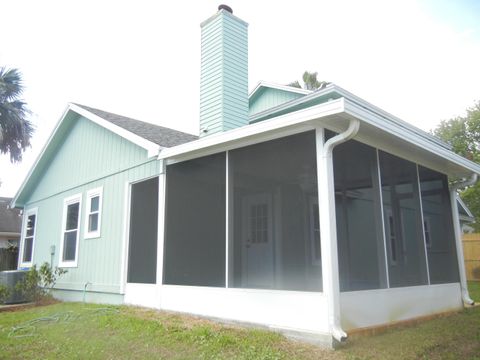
(463, 134)
(15, 129)
(310, 82)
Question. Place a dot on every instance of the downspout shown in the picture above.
(458, 235)
(328, 223)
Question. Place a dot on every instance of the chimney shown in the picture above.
(224, 73)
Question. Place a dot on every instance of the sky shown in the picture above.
(417, 59)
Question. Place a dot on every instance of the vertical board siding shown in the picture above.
(471, 252)
(270, 98)
(224, 74)
(90, 157)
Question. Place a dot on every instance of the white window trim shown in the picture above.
(68, 201)
(91, 194)
(33, 211)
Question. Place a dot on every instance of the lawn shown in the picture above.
(87, 331)
(474, 289)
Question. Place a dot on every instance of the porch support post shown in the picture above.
(328, 224)
(458, 237)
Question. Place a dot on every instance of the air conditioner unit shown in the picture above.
(10, 278)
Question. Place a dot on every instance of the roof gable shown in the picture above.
(268, 95)
(133, 131)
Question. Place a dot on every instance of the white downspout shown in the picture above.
(458, 236)
(328, 224)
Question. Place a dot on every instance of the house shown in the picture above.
(311, 212)
(465, 216)
(10, 224)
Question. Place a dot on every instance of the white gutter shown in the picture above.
(328, 224)
(458, 236)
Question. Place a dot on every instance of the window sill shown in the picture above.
(94, 235)
(69, 264)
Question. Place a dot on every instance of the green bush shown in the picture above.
(4, 293)
(36, 284)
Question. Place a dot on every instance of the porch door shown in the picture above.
(257, 241)
(142, 249)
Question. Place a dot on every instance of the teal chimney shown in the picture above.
(224, 73)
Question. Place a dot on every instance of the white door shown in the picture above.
(257, 241)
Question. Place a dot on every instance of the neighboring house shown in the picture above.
(10, 224)
(315, 213)
(466, 217)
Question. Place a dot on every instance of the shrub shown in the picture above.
(36, 284)
(4, 293)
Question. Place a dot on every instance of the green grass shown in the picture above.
(79, 331)
(474, 289)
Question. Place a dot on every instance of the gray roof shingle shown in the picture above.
(159, 135)
(10, 219)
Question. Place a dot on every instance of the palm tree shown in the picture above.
(310, 82)
(15, 129)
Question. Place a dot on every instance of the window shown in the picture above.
(93, 218)
(315, 232)
(428, 232)
(70, 231)
(28, 242)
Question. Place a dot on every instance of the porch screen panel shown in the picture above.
(403, 222)
(142, 250)
(195, 222)
(361, 251)
(438, 227)
(275, 238)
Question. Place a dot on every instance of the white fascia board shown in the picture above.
(238, 135)
(398, 130)
(151, 147)
(40, 155)
(354, 98)
(278, 87)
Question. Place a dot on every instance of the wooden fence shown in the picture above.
(471, 251)
(8, 259)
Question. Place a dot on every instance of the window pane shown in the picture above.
(273, 198)
(94, 202)
(93, 222)
(361, 253)
(195, 222)
(438, 227)
(72, 216)
(31, 225)
(403, 222)
(69, 245)
(28, 248)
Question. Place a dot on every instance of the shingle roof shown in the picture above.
(159, 135)
(10, 219)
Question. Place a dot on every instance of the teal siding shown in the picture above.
(90, 157)
(224, 74)
(269, 98)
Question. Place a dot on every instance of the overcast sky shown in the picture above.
(418, 60)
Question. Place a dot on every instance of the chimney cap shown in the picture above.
(225, 7)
